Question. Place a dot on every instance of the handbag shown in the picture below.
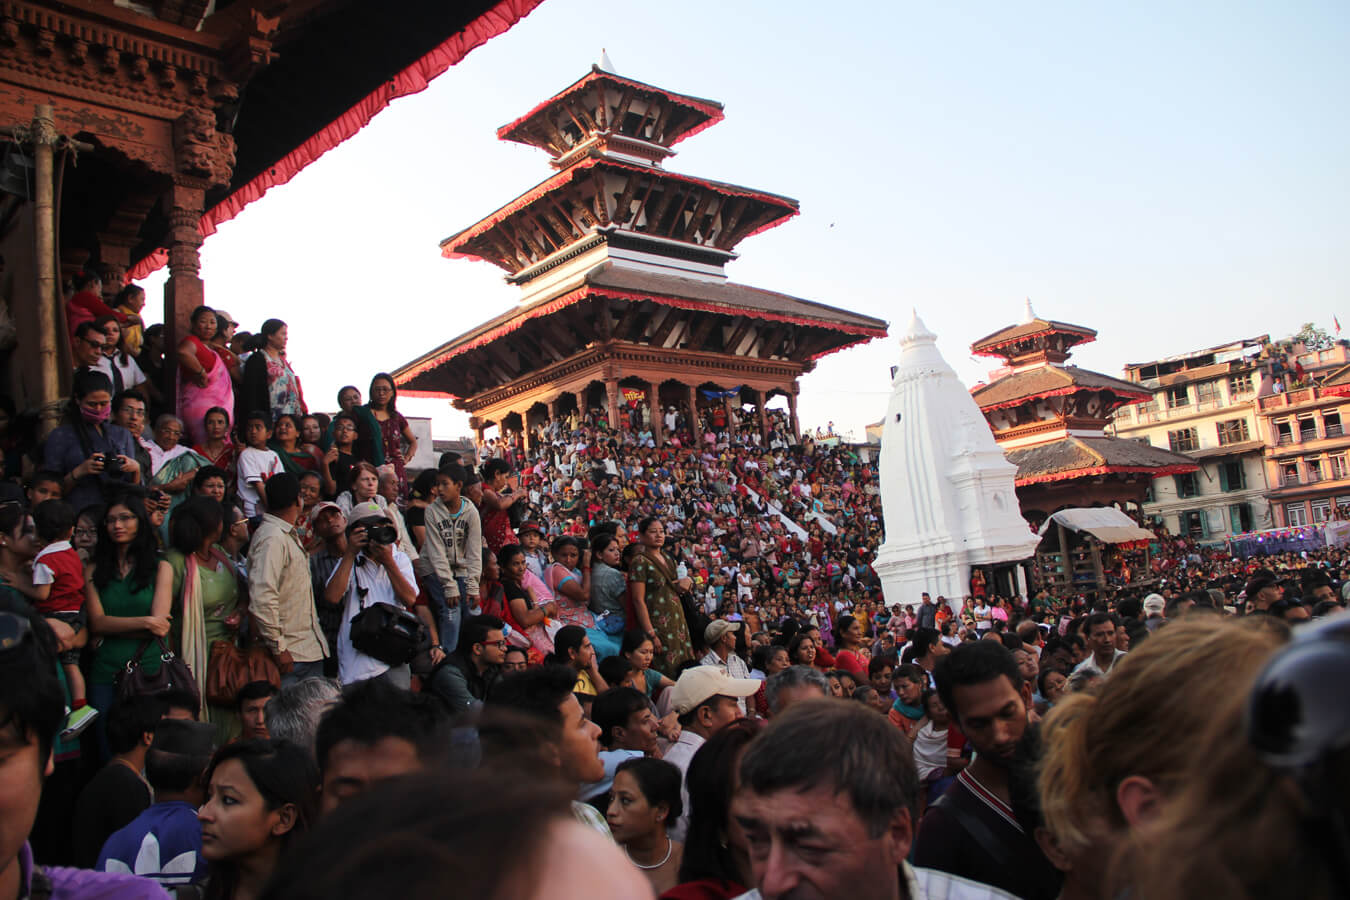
(388, 633)
(173, 675)
(231, 668)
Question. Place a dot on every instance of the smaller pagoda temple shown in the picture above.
(1050, 420)
(621, 269)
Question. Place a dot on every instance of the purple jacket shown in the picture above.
(83, 884)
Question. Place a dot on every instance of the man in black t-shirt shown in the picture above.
(972, 830)
(118, 793)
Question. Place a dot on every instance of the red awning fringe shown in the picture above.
(1058, 392)
(864, 333)
(1156, 472)
(991, 349)
(411, 80)
(425, 395)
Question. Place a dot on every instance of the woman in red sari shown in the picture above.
(203, 378)
(496, 505)
(217, 447)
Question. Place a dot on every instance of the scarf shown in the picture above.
(195, 650)
(909, 712)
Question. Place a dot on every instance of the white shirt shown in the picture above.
(733, 667)
(371, 577)
(255, 467)
(680, 754)
(1090, 664)
(930, 884)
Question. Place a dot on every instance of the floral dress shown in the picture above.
(283, 387)
(664, 609)
(391, 433)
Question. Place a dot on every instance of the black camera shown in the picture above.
(382, 534)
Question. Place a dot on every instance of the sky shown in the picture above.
(1175, 176)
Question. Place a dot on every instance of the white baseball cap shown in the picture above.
(701, 683)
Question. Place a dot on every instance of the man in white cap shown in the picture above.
(720, 639)
(1155, 608)
(704, 699)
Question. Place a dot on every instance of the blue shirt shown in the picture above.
(164, 844)
(63, 453)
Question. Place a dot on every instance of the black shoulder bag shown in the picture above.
(383, 631)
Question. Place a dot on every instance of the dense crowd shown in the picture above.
(247, 651)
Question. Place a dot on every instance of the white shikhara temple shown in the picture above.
(947, 490)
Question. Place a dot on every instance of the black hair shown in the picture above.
(170, 772)
(143, 552)
(795, 644)
(1011, 641)
(258, 415)
(840, 745)
(911, 672)
(922, 641)
(560, 542)
(121, 397)
(495, 466)
(614, 669)
(256, 690)
(452, 470)
(424, 484)
(194, 522)
(508, 553)
(389, 407)
(271, 327)
(600, 543)
(1098, 618)
(283, 774)
(613, 708)
(373, 709)
(53, 520)
(537, 692)
(660, 783)
(129, 720)
(42, 476)
(205, 474)
(974, 662)
(879, 662)
(475, 631)
(282, 491)
(1040, 678)
(711, 782)
(32, 700)
(632, 640)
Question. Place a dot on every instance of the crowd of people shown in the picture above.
(246, 651)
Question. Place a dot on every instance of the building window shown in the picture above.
(1193, 524)
(1338, 468)
(1314, 467)
(1288, 472)
(1321, 510)
(1240, 385)
(1231, 476)
(1295, 514)
(1239, 518)
(1207, 392)
(1183, 440)
(1178, 397)
(1284, 432)
(1148, 411)
(1187, 485)
(1307, 429)
(1143, 440)
(1233, 431)
(1331, 423)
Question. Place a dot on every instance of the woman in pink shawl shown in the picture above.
(203, 378)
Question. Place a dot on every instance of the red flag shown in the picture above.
(1338, 324)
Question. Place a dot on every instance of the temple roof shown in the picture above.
(688, 115)
(1052, 381)
(997, 344)
(1081, 457)
(336, 66)
(835, 328)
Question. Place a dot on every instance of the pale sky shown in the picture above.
(1173, 175)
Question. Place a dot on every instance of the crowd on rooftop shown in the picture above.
(247, 651)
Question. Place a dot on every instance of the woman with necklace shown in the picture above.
(205, 596)
(270, 385)
(203, 375)
(644, 800)
(394, 429)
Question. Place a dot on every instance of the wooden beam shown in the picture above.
(769, 339)
(622, 112)
(601, 197)
(601, 107)
(626, 320)
(698, 335)
(566, 218)
(576, 109)
(662, 207)
(542, 231)
(731, 214)
(673, 318)
(603, 317)
(646, 199)
(659, 129)
(699, 212)
(738, 334)
(558, 137)
(623, 209)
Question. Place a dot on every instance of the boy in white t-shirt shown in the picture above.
(256, 462)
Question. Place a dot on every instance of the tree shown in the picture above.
(1312, 337)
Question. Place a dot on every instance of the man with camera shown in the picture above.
(374, 571)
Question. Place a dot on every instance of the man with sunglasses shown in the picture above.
(32, 710)
(470, 671)
(87, 350)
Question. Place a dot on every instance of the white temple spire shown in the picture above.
(1028, 314)
(605, 64)
(947, 492)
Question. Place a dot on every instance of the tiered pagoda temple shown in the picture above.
(1049, 418)
(621, 269)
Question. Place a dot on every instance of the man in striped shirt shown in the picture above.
(971, 830)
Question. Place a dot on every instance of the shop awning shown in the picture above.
(1106, 524)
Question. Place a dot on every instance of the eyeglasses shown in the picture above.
(500, 645)
(14, 630)
(118, 520)
(86, 532)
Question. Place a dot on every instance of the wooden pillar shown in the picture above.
(693, 413)
(728, 409)
(654, 410)
(612, 396)
(792, 414)
(44, 137)
(183, 291)
(763, 419)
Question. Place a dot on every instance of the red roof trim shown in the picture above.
(450, 247)
(1156, 472)
(980, 348)
(411, 80)
(863, 333)
(708, 108)
(426, 395)
(1060, 392)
